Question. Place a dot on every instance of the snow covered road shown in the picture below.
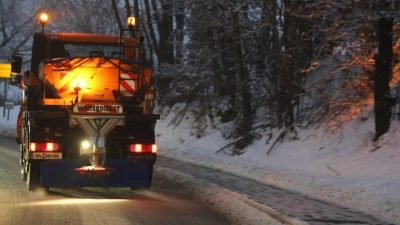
(165, 203)
(285, 206)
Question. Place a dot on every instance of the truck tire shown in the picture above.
(151, 168)
(22, 163)
(33, 176)
(24, 175)
(22, 148)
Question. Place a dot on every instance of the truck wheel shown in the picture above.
(151, 168)
(22, 163)
(22, 148)
(23, 172)
(33, 176)
(21, 154)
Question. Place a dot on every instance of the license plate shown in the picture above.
(142, 157)
(46, 155)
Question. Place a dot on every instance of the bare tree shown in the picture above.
(383, 72)
(87, 16)
(257, 63)
(18, 22)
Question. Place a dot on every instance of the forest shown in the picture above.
(258, 65)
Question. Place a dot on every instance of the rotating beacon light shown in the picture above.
(43, 20)
(131, 22)
(78, 84)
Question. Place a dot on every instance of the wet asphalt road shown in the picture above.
(165, 203)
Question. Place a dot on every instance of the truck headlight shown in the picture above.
(85, 144)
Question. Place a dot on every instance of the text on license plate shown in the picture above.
(46, 155)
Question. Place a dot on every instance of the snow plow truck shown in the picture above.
(84, 120)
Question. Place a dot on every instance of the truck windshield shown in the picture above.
(59, 50)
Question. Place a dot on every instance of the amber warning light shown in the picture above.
(44, 18)
(79, 84)
(131, 21)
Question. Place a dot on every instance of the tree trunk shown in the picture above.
(383, 71)
(151, 36)
(179, 31)
(136, 13)
(128, 9)
(117, 17)
(166, 55)
(243, 80)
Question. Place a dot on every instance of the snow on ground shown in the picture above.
(339, 164)
(238, 209)
(8, 123)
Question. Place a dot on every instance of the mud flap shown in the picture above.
(133, 174)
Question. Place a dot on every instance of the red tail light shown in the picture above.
(45, 146)
(138, 148)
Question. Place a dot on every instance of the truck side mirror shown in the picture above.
(16, 64)
(27, 73)
(15, 80)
